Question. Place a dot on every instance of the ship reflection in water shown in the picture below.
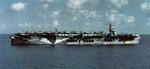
(74, 38)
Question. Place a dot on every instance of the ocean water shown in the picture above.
(75, 57)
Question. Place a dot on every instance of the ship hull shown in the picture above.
(99, 40)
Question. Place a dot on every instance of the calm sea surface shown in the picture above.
(75, 57)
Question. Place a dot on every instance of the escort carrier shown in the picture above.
(74, 38)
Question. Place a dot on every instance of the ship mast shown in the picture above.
(111, 29)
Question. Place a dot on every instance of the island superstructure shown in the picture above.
(74, 38)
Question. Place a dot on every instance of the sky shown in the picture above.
(127, 16)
